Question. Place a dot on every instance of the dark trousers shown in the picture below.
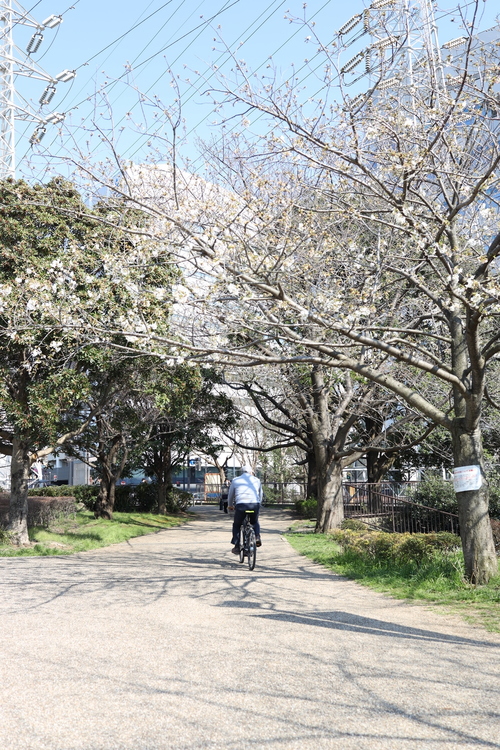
(239, 515)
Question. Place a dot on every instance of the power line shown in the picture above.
(333, 80)
(195, 127)
(196, 89)
(126, 33)
(202, 25)
(84, 84)
(226, 54)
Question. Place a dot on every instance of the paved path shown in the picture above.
(167, 642)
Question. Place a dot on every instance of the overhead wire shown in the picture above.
(134, 25)
(122, 36)
(333, 80)
(225, 7)
(228, 4)
(225, 54)
(195, 127)
(115, 82)
(204, 24)
(147, 60)
(27, 13)
(71, 7)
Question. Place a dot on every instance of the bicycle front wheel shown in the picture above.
(252, 549)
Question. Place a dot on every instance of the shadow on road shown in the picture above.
(339, 620)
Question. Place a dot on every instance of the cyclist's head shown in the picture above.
(246, 469)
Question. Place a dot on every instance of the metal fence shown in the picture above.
(283, 493)
(387, 505)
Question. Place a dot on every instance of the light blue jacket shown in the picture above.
(245, 489)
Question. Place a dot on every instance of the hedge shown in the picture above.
(141, 498)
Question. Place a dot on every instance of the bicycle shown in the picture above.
(248, 542)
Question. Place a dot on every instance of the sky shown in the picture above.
(124, 47)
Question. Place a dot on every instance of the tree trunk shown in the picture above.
(163, 474)
(162, 491)
(105, 503)
(312, 476)
(475, 528)
(378, 464)
(330, 499)
(111, 473)
(18, 508)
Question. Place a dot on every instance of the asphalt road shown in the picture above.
(167, 642)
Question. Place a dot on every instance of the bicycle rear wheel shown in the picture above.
(242, 543)
(252, 549)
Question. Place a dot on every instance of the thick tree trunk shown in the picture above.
(18, 508)
(377, 465)
(312, 476)
(105, 503)
(163, 475)
(330, 499)
(111, 473)
(165, 491)
(475, 528)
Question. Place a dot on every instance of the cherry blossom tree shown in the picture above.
(359, 235)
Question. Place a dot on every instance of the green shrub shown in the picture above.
(141, 498)
(306, 508)
(494, 485)
(64, 490)
(381, 547)
(384, 547)
(495, 527)
(4, 537)
(181, 501)
(413, 548)
(271, 496)
(354, 524)
(436, 493)
(47, 511)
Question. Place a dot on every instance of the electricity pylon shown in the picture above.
(402, 39)
(15, 62)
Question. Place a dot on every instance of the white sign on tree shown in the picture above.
(467, 478)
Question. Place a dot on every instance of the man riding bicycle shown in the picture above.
(245, 493)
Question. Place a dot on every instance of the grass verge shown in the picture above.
(83, 532)
(439, 582)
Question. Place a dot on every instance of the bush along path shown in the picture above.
(420, 567)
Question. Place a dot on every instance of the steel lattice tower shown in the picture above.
(15, 62)
(7, 92)
(401, 38)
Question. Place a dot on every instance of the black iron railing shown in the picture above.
(388, 506)
(283, 493)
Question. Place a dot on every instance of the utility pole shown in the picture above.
(15, 62)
